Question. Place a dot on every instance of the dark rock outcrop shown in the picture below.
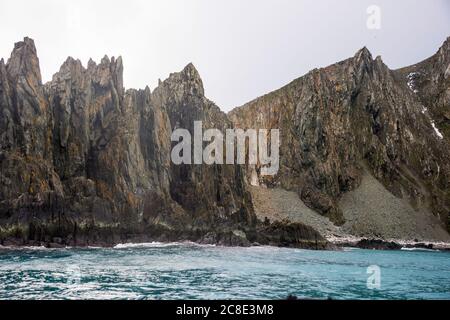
(296, 235)
(377, 244)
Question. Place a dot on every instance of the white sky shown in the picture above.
(242, 48)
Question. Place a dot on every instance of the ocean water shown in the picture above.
(190, 271)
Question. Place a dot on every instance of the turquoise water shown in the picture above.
(189, 271)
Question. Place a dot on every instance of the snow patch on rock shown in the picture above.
(410, 77)
(436, 130)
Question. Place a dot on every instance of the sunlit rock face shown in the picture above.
(358, 115)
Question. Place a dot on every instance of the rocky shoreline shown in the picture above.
(390, 244)
(282, 234)
(275, 235)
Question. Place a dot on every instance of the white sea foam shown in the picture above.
(418, 249)
(343, 239)
(159, 244)
(436, 245)
(436, 130)
(24, 248)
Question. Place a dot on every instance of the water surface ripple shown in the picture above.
(190, 271)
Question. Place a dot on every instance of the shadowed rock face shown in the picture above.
(84, 161)
(359, 115)
(212, 194)
(81, 151)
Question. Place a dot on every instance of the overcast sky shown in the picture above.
(242, 48)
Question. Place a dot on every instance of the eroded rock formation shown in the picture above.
(84, 161)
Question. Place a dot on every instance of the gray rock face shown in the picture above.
(25, 111)
(429, 80)
(83, 161)
(337, 121)
(212, 194)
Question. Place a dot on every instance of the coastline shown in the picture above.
(334, 244)
(73, 234)
(387, 244)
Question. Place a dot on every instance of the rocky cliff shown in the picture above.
(364, 152)
(347, 127)
(84, 161)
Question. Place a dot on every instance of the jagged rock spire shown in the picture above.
(24, 62)
(363, 55)
(185, 82)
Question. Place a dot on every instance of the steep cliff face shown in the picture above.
(429, 80)
(81, 153)
(84, 161)
(357, 116)
(27, 176)
(111, 148)
(214, 193)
